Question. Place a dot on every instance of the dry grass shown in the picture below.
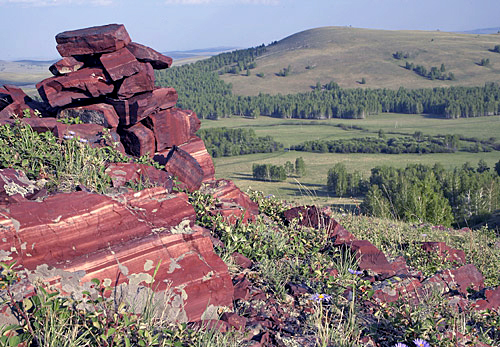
(346, 55)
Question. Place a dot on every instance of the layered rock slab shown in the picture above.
(120, 240)
(99, 39)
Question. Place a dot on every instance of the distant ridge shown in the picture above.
(481, 31)
(365, 58)
(203, 52)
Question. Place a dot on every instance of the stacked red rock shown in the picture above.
(108, 81)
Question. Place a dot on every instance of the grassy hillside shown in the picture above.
(346, 55)
(24, 73)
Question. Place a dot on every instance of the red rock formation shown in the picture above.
(196, 148)
(232, 203)
(65, 66)
(149, 55)
(71, 238)
(82, 84)
(184, 167)
(142, 81)
(13, 101)
(171, 127)
(92, 134)
(139, 140)
(120, 64)
(445, 252)
(121, 173)
(100, 39)
(100, 114)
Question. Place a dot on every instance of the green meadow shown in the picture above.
(311, 187)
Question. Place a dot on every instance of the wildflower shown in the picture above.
(269, 196)
(421, 343)
(354, 272)
(71, 132)
(67, 137)
(320, 297)
(84, 140)
(399, 344)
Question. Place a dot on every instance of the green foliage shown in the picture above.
(285, 72)
(431, 194)
(433, 74)
(70, 120)
(341, 183)
(224, 142)
(300, 167)
(63, 165)
(497, 167)
(268, 172)
(485, 62)
(50, 319)
(400, 55)
(382, 144)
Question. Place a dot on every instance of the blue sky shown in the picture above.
(29, 27)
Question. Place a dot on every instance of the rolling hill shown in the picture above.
(346, 55)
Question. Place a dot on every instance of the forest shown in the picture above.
(423, 193)
(200, 89)
(224, 142)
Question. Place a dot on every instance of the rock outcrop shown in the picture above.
(107, 82)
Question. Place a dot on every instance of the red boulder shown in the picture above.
(149, 55)
(98, 39)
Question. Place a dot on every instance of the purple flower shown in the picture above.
(269, 196)
(84, 140)
(399, 344)
(354, 272)
(320, 297)
(421, 343)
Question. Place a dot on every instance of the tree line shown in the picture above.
(224, 142)
(201, 90)
(423, 193)
(418, 143)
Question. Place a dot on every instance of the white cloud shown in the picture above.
(57, 2)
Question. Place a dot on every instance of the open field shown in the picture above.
(294, 131)
(346, 55)
(239, 168)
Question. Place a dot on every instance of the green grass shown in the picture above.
(295, 131)
(346, 55)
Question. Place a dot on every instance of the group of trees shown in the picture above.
(417, 143)
(434, 73)
(342, 183)
(485, 62)
(285, 72)
(394, 145)
(224, 142)
(269, 172)
(423, 193)
(401, 55)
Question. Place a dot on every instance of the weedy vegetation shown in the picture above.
(339, 310)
